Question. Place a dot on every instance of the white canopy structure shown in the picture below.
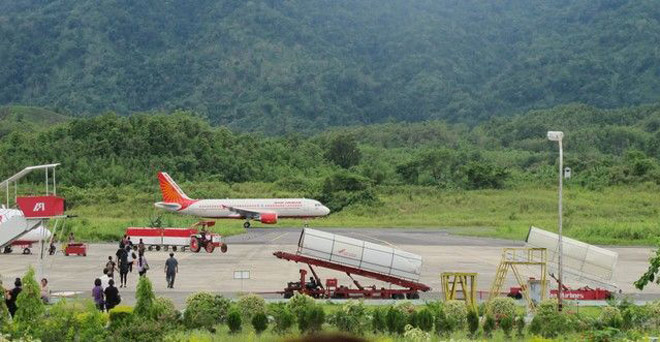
(15, 178)
(583, 262)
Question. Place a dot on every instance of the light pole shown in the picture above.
(558, 136)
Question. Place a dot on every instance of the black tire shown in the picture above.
(150, 248)
(173, 248)
(288, 295)
(195, 245)
(7, 250)
(246, 225)
(158, 248)
(27, 251)
(223, 247)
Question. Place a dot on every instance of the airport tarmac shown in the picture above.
(253, 251)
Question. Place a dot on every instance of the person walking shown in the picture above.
(13, 294)
(97, 294)
(112, 297)
(171, 269)
(131, 260)
(45, 291)
(143, 265)
(111, 266)
(122, 258)
(104, 279)
(141, 247)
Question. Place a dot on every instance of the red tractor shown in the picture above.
(206, 240)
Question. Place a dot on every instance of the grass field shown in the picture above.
(615, 215)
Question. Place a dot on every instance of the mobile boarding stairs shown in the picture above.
(26, 213)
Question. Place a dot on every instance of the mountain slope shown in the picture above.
(283, 66)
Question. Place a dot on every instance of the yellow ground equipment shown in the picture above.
(513, 258)
(460, 286)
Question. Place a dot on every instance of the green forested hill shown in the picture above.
(290, 66)
(499, 176)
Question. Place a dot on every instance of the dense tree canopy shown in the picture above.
(602, 146)
(291, 66)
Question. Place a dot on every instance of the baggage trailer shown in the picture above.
(75, 248)
(353, 257)
(331, 289)
(178, 238)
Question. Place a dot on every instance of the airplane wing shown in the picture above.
(247, 213)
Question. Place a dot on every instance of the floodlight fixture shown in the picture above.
(555, 135)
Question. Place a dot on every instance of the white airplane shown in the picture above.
(264, 210)
(25, 241)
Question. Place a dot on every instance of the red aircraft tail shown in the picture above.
(172, 193)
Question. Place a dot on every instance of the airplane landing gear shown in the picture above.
(246, 225)
(27, 251)
(7, 250)
(306, 224)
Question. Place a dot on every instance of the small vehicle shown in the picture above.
(178, 238)
(75, 248)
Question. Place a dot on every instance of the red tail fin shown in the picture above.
(171, 191)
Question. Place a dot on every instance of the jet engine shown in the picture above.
(268, 218)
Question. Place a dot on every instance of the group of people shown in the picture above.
(105, 294)
(12, 295)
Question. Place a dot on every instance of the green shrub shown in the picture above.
(299, 303)
(234, 321)
(407, 307)
(489, 325)
(221, 306)
(610, 316)
(379, 320)
(351, 318)
(443, 326)
(140, 330)
(311, 320)
(473, 322)
(60, 323)
(204, 310)
(4, 312)
(120, 315)
(501, 307)
(92, 325)
(30, 306)
(520, 325)
(250, 305)
(415, 334)
(425, 320)
(163, 310)
(189, 336)
(548, 322)
(396, 320)
(145, 298)
(506, 323)
(284, 319)
(456, 313)
(260, 322)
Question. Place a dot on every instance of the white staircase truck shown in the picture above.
(19, 222)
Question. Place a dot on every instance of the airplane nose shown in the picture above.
(326, 210)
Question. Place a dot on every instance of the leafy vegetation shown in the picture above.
(495, 179)
(79, 320)
(283, 67)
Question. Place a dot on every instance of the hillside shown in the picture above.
(494, 179)
(299, 66)
(23, 118)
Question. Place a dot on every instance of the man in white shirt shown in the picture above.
(104, 279)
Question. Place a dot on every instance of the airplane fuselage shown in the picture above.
(283, 207)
